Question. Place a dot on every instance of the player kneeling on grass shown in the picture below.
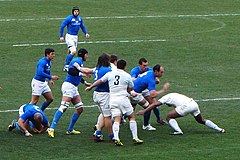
(32, 118)
(183, 105)
(120, 85)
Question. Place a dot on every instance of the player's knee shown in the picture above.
(145, 105)
(64, 105)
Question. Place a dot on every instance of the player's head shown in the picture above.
(103, 60)
(49, 53)
(121, 64)
(143, 64)
(83, 53)
(113, 59)
(37, 119)
(158, 70)
(75, 11)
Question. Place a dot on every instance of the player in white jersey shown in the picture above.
(183, 105)
(120, 85)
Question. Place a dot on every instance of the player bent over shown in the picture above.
(183, 105)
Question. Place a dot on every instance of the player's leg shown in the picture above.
(49, 99)
(72, 49)
(76, 101)
(208, 123)
(173, 123)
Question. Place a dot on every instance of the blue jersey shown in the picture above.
(73, 25)
(29, 111)
(75, 80)
(99, 73)
(43, 69)
(136, 71)
(145, 81)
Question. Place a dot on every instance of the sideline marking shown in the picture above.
(126, 17)
(90, 42)
(92, 106)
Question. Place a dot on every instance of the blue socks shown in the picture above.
(146, 117)
(69, 57)
(58, 114)
(157, 113)
(75, 117)
(44, 105)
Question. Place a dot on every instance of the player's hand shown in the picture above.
(27, 134)
(157, 80)
(55, 77)
(61, 39)
(88, 88)
(133, 93)
(166, 86)
(51, 83)
(141, 112)
(87, 36)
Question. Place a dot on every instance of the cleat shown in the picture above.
(177, 133)
(50, 132)
(148, 128)
(118, 142)
(11, 126)
(222, 131)
(95, 128)
(162, 122)
(65, 68)
(74, 132)
(137, 141)
(98, 138)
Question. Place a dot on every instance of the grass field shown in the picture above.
(196, 41)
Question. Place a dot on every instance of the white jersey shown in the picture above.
(118, 81)
(175, 99)
(113, 67)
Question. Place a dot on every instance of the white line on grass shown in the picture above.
(92, 106)
(89, 42)
(128, 17)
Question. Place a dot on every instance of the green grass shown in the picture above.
(200, 55)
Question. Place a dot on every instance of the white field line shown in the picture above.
(128, 17)
(92, 106)
(89, 42)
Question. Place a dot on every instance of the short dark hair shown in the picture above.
(121, 64)
(48, 51)
(103, 60)
(113, 58)
(141, 60)
(156, 67)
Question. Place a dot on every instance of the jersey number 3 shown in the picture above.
(117, 77)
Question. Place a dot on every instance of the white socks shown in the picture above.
(115, 129)
(212, 125)
(173, 123)
(133, 128)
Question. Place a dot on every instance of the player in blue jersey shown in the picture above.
(74, 23)
(70, 94)
(141, 68)
(147, 80)
(31, 118)
(39, 83)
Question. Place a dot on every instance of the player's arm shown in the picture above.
(83, 69)
(154, 93)
(84, 30)
(96, 83)
(21, 124)
(151, 106)
(63, 25)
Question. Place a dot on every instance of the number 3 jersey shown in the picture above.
(118, 81)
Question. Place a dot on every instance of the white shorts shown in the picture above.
(20, 111)
(69, 90)
(102, 100)
(191, 107)
(71, 41)
(39, 87)
(137, 99)
(120, 105)
(145, 93)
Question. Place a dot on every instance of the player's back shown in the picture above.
(175, 99)
(119, 81)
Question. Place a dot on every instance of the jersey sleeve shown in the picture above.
(63, 25)
(26, 115)
(40, 71)
(82, 26)
(151, 85)
(105, 77)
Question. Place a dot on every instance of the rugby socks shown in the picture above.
(58, 114)
(69, 57)
(212, 125)
(116, 130)
(44, 105)
(74, 119)
(173, 123)
(157, 113)
(146, 117)
(133, 128)
(16, 124)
